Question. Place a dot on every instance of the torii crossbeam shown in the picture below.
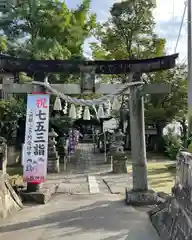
(13, 64)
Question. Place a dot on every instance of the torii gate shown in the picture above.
(40, 68)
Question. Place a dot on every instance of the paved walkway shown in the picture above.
(79, 217)
(88, 205)
(76, 212)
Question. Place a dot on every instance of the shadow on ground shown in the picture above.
(102, 216)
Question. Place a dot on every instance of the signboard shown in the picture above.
(110, 125)
(156, 88)
(36, 138)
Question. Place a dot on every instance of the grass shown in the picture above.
(160, 177)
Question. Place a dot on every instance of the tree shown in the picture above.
(10, 113)
(47, 29)
(162, 109)
(129, 33)
(130, 25)
(174, 105)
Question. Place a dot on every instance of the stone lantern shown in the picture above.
(119, 158)
(53, 158)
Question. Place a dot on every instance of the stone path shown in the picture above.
(93, 182)
(92, 166)
(117, 182)
(79, 217)
(88, 205)
(87, 158)
(78, 211)
(93, 185)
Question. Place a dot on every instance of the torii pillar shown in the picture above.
(140, 194)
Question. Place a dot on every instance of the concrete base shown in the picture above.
(141, 198)
(42, 196)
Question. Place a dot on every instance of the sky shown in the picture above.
(168, 15)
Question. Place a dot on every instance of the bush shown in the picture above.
(10, 112)
(173, 143)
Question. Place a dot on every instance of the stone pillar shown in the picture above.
(3, 156)
(53, 158)
(140, 194)
(8, 81)
(138, 145)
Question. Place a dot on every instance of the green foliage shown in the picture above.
(129, 34)
(60, 124)
(173, 143)
(3, 44)
(128, 31)
(47, 29)
(170, 106)
(10, 112)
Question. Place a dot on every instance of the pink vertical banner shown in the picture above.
(35, 151)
